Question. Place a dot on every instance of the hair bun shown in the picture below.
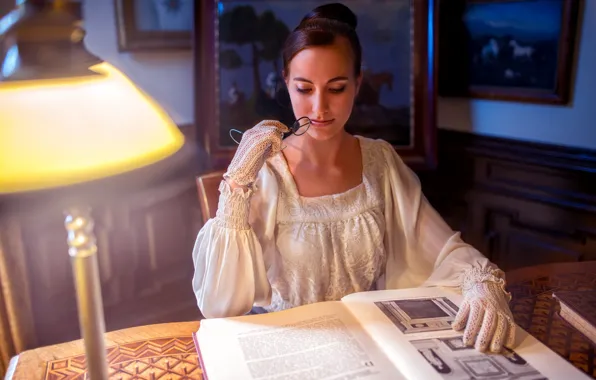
(332, 11)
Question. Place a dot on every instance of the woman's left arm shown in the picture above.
(439, 255)
(484, 312)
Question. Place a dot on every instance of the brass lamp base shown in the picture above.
(83, 254)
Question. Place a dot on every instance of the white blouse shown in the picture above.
(272, 247)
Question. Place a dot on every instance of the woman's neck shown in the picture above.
(322, 153)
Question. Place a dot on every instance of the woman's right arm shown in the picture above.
(230, 274)
(229, 259)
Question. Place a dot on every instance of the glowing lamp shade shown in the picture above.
(58, 132)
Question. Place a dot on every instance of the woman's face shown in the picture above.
(322, 86)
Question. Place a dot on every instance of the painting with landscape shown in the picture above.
(251, 87)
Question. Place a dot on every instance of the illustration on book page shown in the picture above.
(452, 360)
(418, 315)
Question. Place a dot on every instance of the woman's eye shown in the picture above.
(337, 90)
(332, 90)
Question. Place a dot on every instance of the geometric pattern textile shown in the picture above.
(164, 358)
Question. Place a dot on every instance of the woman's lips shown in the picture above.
(320, 123)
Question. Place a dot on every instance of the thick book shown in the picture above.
(578, 308)
(389, 334)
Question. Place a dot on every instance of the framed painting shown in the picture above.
(517, 50)
(154, 24)
(239, 81)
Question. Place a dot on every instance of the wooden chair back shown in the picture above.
(208, 192)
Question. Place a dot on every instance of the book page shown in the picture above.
(413, 326)
(317, 341)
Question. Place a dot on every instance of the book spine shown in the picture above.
(200, 356)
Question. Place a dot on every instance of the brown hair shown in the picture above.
(320, 27)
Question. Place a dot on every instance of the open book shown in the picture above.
(388, 334)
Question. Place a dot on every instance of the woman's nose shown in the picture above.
(320, 104)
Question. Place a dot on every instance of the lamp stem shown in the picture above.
(83, 254)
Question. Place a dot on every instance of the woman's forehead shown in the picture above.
(318, 62)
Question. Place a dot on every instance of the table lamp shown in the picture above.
(68, 118)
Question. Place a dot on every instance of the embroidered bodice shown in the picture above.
(329, 246)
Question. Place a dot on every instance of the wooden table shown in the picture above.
(149, 352)
(536, 311)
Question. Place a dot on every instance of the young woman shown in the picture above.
(331, 214)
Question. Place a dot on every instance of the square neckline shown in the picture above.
(294, 188)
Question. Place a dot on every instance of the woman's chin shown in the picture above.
(324, 132)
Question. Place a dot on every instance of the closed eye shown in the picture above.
(337, 90)
(332, 90)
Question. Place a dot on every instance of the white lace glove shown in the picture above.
(484, 312)
(258, 143)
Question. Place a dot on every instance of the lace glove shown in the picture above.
(484, 312)
(258, 143)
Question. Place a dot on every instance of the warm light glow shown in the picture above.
(61, 132)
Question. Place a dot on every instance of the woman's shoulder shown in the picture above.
(381, 149)
(384, 160)
(373, 142)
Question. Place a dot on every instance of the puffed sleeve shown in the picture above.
(422, 250)
(230, 251)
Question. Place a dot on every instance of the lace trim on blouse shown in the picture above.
(333, 259)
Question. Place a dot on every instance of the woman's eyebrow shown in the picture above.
(300, 79)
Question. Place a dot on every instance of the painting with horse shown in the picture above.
(510, 50)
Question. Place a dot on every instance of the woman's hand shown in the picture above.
(485, 314)
(258, 143)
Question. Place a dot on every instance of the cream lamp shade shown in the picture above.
(58, 132)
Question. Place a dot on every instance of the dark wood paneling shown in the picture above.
(144, 247)
(519, 203)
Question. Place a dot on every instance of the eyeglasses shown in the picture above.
(299, 127)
